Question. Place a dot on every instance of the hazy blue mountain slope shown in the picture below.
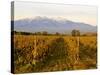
(51, 25)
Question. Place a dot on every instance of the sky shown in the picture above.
(76, 13)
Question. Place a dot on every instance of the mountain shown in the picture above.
(51, 25)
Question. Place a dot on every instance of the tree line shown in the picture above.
(74, 32)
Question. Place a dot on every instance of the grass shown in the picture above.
(54, 53)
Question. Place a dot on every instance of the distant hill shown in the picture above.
(51, 25)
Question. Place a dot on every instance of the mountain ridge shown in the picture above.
(51, 25)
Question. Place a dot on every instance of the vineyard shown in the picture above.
(40, 53)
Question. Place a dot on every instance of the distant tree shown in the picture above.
(44, 32)
(19, 33)
(75, 32)
(78, 33)
(38, 33)
(84, 35)
(57, 33)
